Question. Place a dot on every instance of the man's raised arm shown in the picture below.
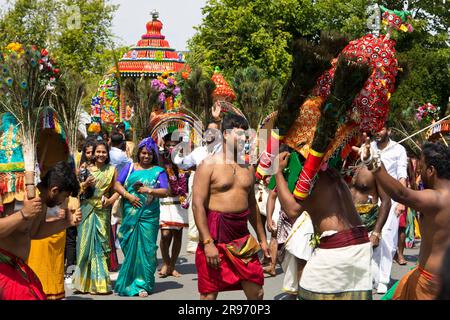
(423, 201)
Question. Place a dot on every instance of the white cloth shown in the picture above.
(298, 241)
(383, 255)
(172, 216)
(338, 270)
(395, 161)
(193, 235)
(290, 268)
(195, 158)
(297, 247)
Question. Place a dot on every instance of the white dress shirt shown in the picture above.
(394, 159)
(118, 159)
(195, 157)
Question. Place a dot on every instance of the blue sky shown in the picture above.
(178, 16)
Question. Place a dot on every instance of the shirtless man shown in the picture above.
(223, 203)
(19, 227)
(434, 205)
(340, 265)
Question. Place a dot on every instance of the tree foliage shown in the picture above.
(197, 93)
(236, 34)
(77, 32)
(143, 97)
(254, 93)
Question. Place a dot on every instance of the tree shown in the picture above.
(197, 93)
(254, 93)
(28, 22)
(78, 32)
(143, 97)
(84, 35)
(69, 92)
(236, 34)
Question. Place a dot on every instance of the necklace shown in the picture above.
(234, 169)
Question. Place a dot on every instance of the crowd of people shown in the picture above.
(339, 243)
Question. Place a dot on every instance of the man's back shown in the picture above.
(330, 204)
(434, 229)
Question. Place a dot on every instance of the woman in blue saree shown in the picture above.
(141, 184)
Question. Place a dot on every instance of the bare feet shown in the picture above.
(401, 261)
(173, 272)
(143, 294)
(270, 271)
(176, 274)
(163, 273)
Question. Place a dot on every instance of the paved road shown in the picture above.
(185, 288)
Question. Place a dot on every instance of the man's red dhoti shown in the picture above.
(238, 254)
(17, 280)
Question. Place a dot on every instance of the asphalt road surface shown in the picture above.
(185, 287)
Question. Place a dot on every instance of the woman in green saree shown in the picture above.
(93, 249)
(141, 185)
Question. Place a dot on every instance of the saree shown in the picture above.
(93, 246)
(137, 236)
(46, 259)
(17, 280)
(238, 254)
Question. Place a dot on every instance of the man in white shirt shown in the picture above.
(394, 158)
(213, 145)
(118, 157)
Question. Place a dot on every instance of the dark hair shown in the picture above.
(103, 132)
(90, 142)
(231, 121)
(62, 176)
(438, 156)
(103, 143)
(168, 137)
(444, 293)
(388, 124)
(129, 135)
(154, 156)
(284, 148)
(121, 126)
(116, 139)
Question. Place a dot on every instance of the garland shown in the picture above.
(178, 185)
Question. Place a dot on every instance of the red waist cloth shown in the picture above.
(350, 237)
(226, 229)
(17, 280)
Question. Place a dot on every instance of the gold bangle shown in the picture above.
(377, 234)
(208, 241)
